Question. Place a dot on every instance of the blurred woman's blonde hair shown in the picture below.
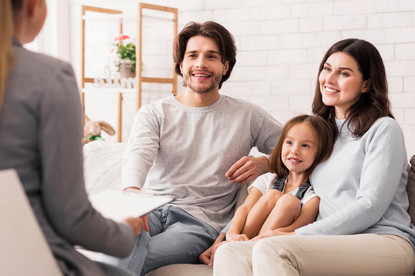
(6, 54)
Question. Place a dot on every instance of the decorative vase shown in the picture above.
(126, 69)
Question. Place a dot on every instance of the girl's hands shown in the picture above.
(271, 233)
(212, 252)
(207, 256)
(238, 237)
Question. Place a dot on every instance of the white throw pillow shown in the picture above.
(102, 165)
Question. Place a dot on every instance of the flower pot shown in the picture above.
(126, 70)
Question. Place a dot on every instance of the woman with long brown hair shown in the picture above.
(363, 227)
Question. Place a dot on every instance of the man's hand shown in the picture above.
(247, 169)
(137, 224)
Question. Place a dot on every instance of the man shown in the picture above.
(193, 147)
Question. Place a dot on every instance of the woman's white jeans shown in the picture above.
(364, 254)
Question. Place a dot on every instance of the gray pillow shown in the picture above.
(410, 187)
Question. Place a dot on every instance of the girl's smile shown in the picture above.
(299, 148)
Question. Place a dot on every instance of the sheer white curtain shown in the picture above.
(54, 37)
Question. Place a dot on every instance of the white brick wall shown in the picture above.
(280, 45)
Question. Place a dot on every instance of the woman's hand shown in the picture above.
(137, 224)
(271, 233)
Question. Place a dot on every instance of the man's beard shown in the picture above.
(205, 89)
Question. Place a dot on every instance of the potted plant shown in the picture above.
(125, 50)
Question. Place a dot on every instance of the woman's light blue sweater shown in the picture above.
(362, 186)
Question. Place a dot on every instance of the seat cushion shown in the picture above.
(183, 270)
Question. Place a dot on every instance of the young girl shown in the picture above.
(284, 198)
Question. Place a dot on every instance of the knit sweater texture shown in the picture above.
(362, 186)
(184, 152)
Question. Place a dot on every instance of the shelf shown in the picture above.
(109, 90)
(96, 13)
(108, 16)
(121, 17)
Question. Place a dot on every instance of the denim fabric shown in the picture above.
(279, 185)
(134, 262)
(174, 237)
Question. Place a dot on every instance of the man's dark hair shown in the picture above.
(210, 29)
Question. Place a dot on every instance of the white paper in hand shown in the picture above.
(117, 205)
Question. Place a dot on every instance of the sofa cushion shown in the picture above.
(410, 187)
(102, 166)
(183, 270)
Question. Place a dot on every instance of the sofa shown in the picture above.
(103, 161)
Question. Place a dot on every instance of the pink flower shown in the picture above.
(121, 37)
